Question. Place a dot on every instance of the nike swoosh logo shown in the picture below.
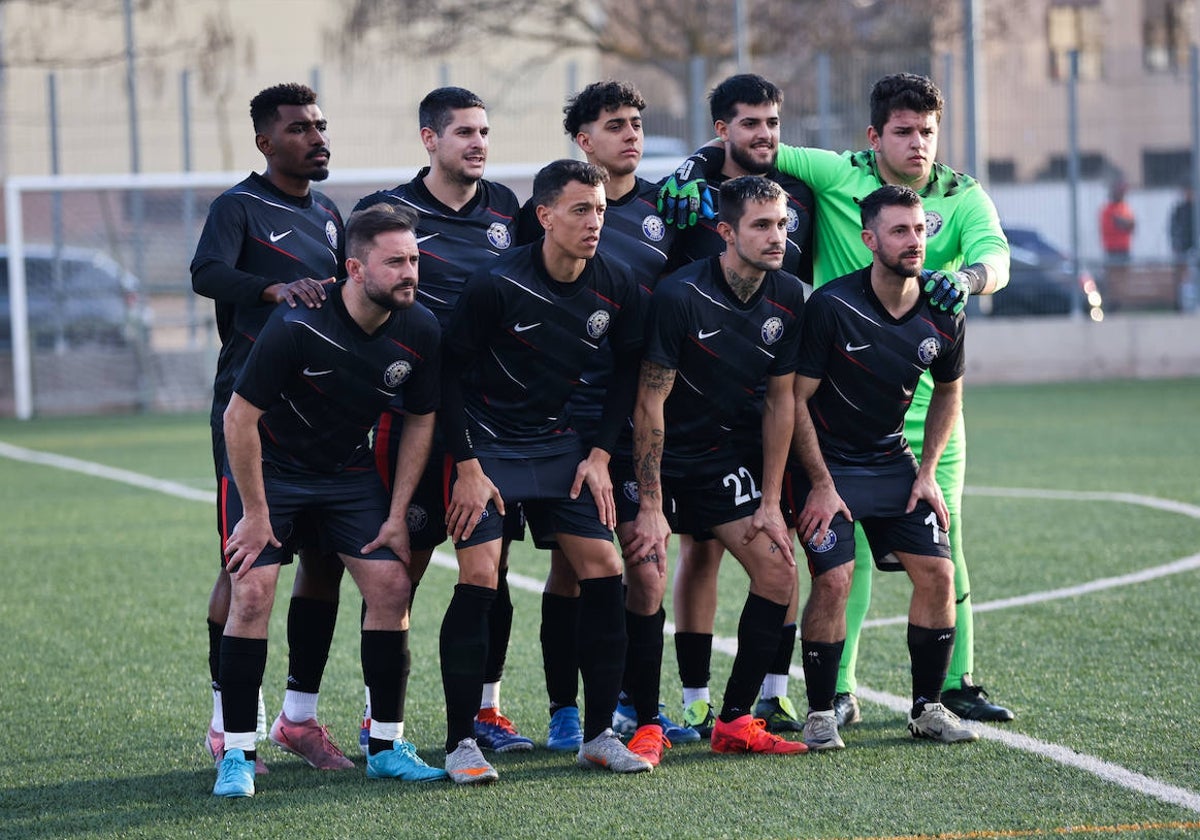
(421, 239)
(275, 237)
(703, 335)
(522, 327)
(854, 348)
(310, 372)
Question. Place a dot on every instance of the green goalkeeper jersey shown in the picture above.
(961, 223)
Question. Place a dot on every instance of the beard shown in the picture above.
(898, 268)
(386, 299)
(743, 159)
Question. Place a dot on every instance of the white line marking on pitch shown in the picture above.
(1063, 755)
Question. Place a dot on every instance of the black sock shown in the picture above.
(643, 663)
(693, 652)
(463, 648)
(499, 629)
(601, 650)
(930, 650)
(310, 625)
(384, 661)
(215, 632)
(782, 663)
(758, 639)
(560, 649)
(242, 664)
(821, 660)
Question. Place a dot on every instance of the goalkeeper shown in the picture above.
(966, 254)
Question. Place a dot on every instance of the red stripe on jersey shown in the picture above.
(850, 358)
(447, 471)
(275, 248)
(406, 347)
(936, 330)
(696, 341)
(382, 438)
(222, 500)
(779, 305)
(611, 303)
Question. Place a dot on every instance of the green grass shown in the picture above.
(105, 695)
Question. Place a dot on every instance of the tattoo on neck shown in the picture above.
(743, 287)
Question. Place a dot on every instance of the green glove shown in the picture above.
(947, 290)
(685, 197)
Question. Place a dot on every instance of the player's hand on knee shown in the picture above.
(247, 540)
(925, 488)
(469, 499)
(593, 471)
(768, 520)
(393, 534)
(648, 543)
(820, 507)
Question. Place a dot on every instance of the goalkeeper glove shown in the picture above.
(685, 197)
(949, 290)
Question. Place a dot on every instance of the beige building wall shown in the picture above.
(231, 50)
(1123, 110)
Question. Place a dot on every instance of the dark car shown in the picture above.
(75, 297)
(1040, 282)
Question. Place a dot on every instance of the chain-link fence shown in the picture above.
(113, 322)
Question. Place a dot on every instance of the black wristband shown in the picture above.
(976, 275)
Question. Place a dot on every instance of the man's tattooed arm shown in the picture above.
(649, 429)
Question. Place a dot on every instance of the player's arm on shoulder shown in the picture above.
(214, 268)
(984, 246)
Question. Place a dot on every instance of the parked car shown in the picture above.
(89, 299)
(1040, 282)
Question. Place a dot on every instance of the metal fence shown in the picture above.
(144, 341)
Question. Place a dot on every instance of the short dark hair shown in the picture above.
(364, 225)
(435, 109)
(586, 106)
(744, 89)
(736, 193)
(550, 180)
(889, 195)
(264, 108)
(904, 92)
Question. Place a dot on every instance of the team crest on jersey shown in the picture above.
(933, 223)
(824, 545)
(597, 324)
(397, 372)
(772, 329)
(793, 220)
(331, 234)
(653, 227)
(499, 236)
(417, 518)
(928, 350)
(629, 488)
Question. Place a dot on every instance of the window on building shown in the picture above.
(1075, 26)
(1166, 25)
(1002, 171)
(1092, 165)
(1167, 168)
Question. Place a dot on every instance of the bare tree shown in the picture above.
(677, 38)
